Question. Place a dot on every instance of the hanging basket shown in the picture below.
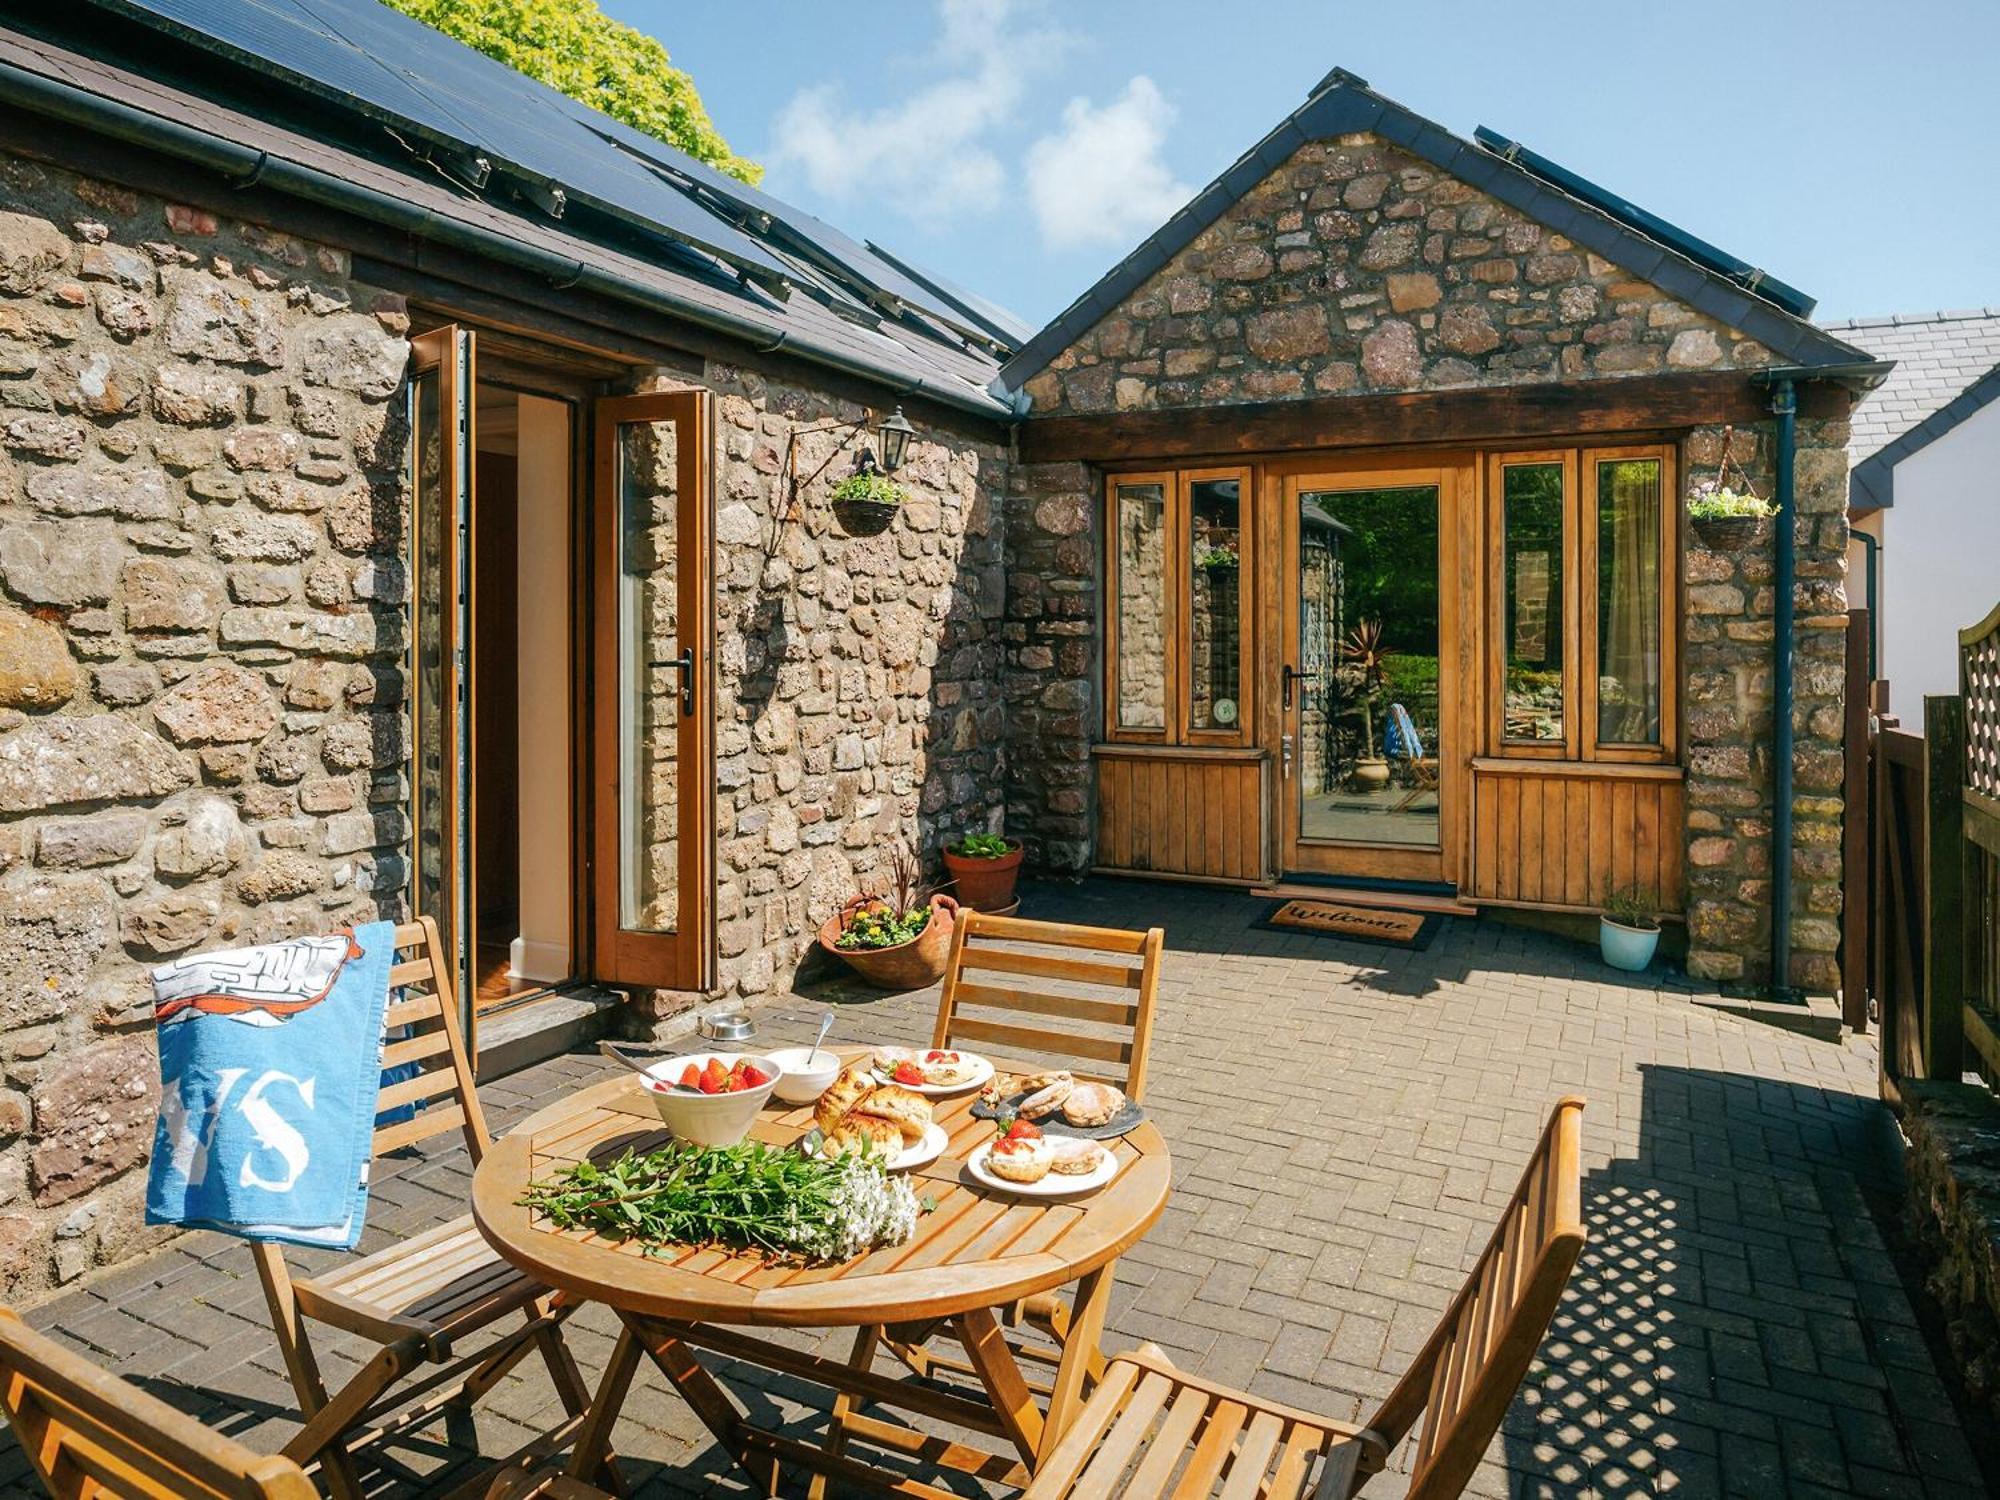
(1727, 533)
(865, 517)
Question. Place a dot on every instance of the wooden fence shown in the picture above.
(1930, 927)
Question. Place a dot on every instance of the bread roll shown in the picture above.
(1071, 1157)
(859, 1132)
(907, 1110)
(846, 1091)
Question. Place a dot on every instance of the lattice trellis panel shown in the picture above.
(1979, 679)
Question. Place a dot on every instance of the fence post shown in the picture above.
(1942, 1028)
(1854, 829)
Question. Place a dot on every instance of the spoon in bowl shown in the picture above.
(825, 1025)
(643, 1069)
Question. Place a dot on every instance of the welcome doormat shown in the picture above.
(1358, 924)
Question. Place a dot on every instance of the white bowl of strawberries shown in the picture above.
(710, 1098)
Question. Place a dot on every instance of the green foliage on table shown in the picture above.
(982, 846)
(578, 50)
(874, 487)
(783, 1203)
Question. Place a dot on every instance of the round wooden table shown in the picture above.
(975, 1251)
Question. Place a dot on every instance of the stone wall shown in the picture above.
(1953, 1207)
(1355, 268)
(200, 621)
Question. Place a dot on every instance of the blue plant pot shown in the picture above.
(1627, 948)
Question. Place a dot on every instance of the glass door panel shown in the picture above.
(440, 416)
(652, 715)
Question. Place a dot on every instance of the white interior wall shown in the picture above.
(1940, 559)
(542, 950)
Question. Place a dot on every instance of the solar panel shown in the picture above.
(1005, 326)
(365, 56)
(1701, 252)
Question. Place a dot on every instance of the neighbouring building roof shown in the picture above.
(1947, 368)
(362, 95)
(1706, 279)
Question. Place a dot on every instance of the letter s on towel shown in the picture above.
(275, 1133)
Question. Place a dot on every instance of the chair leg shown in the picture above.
(295, 1346)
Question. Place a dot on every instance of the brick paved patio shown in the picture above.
(1345, 1122)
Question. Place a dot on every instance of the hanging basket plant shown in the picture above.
(1727, 519)
(867, 504)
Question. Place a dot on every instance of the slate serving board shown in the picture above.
(1125, 1121)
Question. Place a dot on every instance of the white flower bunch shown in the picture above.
(866, 1208)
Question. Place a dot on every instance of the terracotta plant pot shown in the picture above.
(985, 884)
(1727, 533)
(1370, 774)
(865, 517)
(907, 966)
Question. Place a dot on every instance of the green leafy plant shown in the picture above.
(982, 846)
(1631, 906)
(1214, 555)
(889, 920)
(873, 487)
(1363, 650)
(1720, 503)
(788, 1205)
(576, 49)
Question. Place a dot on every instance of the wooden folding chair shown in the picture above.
(1103, 1034)
(419, 1299)
(1151, 1426)
(90, 1434)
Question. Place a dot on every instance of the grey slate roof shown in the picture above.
(361, 95)
(1342, 104)
(1940, 358)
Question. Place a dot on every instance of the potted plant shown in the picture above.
(1363, 651)
(1629, 930)
(1726, 520)
(983, 869)
(897, 940)
(866, 503)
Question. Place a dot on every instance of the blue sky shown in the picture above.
(1020, 147)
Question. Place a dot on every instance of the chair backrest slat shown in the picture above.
(427, 1008)
(88, 1433)
(1462, 1382)
(1116, 999)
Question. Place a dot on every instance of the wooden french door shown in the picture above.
(651, 701)
(1374, 605)
(442, 377)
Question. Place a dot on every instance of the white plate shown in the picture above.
(1055, 1185)
(929, 1149)
(981, 1071)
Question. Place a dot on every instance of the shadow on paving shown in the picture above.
(1736, 1325)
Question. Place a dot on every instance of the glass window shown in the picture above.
(1215, 604)
(1532, 622)
(1629, 600)
(649, 698)
(1143, 628)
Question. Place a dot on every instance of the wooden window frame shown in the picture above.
(1176, 487)
(1579, 743)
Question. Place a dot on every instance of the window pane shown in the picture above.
(1215, 613)
(1142, 606)
(1532, 528)
(429, 519)
(649, 683)
(1628, 601)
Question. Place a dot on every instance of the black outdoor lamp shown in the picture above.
(896, 434)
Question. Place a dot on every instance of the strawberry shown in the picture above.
(754, 1078)
(935, 1056)
(691, 1076)
(908, 1072)
(714, 1077)
(1024, 1130)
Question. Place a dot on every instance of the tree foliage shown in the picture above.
(575, 48)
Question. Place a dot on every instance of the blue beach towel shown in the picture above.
(270, 1062)
(1400, 740)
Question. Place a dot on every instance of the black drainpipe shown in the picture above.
(1785, 404)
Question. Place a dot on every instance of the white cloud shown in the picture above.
(1100, 179)
(928, 155)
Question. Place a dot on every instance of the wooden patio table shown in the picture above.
(976, 1252)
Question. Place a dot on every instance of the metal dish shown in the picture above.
(734, 1027)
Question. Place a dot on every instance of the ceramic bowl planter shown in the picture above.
(867, 504)
(985, 882)
(1627, 948)
(907, 966)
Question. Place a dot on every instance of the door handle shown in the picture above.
(684, 664)
(1290, 674)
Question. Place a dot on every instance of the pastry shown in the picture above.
(1047, 1100)
(999, 1089)
(909, 1112)
(946, 1070)
(1091, 1104)
(1071, 1157)
(1026, 1159)
(846, 1091)
(886, 1058)
(859, 1132)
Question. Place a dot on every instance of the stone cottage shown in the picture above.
(419, 501)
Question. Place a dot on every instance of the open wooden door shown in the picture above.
(442, 372)
(651, 709)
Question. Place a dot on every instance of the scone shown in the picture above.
(1047, 1100)
(1071, 1157)
(909, 1112)
(846, 1091)
(859, 1132)
(1091, 1104)
(1024, 1160)
(944, 1070)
